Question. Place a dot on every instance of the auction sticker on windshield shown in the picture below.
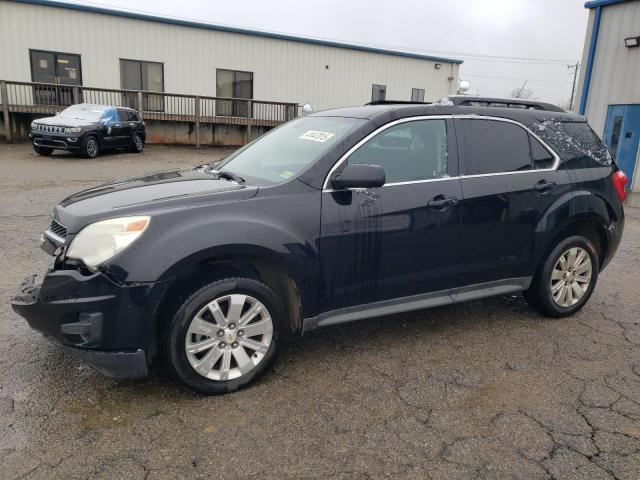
(317, 136)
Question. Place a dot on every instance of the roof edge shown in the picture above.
(602, 3)
(228, 29)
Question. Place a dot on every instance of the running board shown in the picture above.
(416, 302)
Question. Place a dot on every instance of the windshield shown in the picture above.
(79, 112)
(288, 150)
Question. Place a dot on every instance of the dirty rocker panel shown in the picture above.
(417, 302)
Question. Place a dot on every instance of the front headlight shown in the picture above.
(98, 242)
(33, 125)
(73, 130)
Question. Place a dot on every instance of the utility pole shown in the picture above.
(573, 87)
(521, 89)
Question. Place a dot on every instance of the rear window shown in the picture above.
(576, 143)
(494, 147)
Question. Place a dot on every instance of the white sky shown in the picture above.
(550, 30)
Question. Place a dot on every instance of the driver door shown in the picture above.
(400, 239)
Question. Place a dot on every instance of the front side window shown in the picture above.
(378, 93)
(233, 84)
(409, 151)
(493, 146)
(417, 94)
(286, 151)
(141, 75)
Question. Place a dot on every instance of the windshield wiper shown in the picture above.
(229, 176)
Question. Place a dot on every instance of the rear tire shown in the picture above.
(44, 151)
(566, 279)
(90, 147)
(209, 337)
(137, 143)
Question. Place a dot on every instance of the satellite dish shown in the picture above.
(463, 86)
(307, 109)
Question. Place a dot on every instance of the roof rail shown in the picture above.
(396, 102)
(475, 101)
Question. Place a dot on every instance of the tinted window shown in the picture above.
(542, 158)
(493, 147)
(408, 151)
(123, 115)
(575, 142)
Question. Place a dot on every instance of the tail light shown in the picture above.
(619, 182)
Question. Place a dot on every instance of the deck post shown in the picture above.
(140, 104)
(4, 98)
(249, 120)
(197, 113)
(76, 95)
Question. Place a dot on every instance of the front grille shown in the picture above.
(48, 128)
(58, 229)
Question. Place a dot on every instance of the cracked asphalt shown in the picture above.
(485, 389)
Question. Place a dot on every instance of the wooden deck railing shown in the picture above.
(49, 98)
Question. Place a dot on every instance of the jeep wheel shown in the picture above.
(91, 147)
(225, 335)
(137, 144)
(44, 151)
(566, 279)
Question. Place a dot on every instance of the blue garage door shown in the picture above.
(621, 134)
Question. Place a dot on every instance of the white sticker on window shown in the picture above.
(43, 63)
(317, 136)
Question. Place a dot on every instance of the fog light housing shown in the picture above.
(72, 139)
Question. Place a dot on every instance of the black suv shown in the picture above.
(87, 129)
(337, 216)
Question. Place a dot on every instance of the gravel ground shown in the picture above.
(485, 389)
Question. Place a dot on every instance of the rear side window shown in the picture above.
(493, 146)
(409, 151)
(577, 144)
(541, 157)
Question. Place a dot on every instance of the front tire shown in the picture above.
(90, 147)
(225, 335)
(44, 151)
(565, 281)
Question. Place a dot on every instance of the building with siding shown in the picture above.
(609, 87)
(56, 42)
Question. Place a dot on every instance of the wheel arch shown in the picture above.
(205, 267)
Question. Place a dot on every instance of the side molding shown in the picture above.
(416, 302)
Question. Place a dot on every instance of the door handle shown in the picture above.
(117, 125)
(544, 186)
(440, 202)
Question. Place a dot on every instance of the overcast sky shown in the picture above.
(550, 31)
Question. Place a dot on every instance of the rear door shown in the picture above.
(509, 182)
(400, 239)
(122, 130)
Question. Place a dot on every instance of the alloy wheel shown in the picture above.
(137, 139)
(571, 277)
(228, 337)
(92, 147)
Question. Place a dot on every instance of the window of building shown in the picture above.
(417, 94)
(233, 84)
(378, 93)
(141, 75)
(492, 146)
(409, 151)
(56, 68)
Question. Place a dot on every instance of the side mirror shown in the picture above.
(359, 176)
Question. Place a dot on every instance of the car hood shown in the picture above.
(58, 121)
(172, 189)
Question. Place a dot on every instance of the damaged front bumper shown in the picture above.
(106, 324)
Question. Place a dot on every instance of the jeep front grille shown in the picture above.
(48, 128)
